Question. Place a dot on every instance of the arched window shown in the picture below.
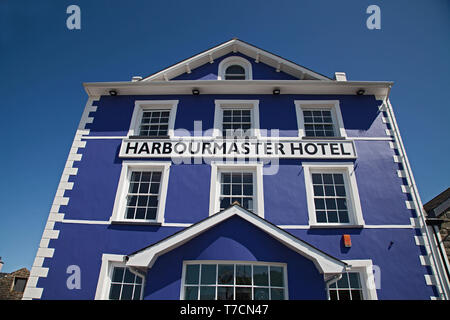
(235, 72)
(235, 68)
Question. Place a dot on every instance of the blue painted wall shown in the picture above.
(94, 191)
(260, 71)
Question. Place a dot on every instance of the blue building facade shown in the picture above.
(237, 174)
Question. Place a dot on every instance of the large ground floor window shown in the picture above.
(233, 281)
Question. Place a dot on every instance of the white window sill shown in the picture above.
(137, 222)
(335, 226)
(323, 138)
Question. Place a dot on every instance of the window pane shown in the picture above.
(321, 216)
(192, 273)
(137, 293)
(235, 69)
(243, 293)
(343, 282)
(226, 177)
(151, 214)
(276, 276)
(344, 294)
(127, 292)
(243, 274)
(208, 274)
(317, 178)
(261, 294)
(318, 191)
(277, 294)
(114, 292)
(207, 293)
(191, 293)
(327, 178)
(338, 178)
(117, 274)
(319, 203)
(329, 190)
(129, 277)
(354, 280)
(260, 275)
(248, 190)
(225, 293)
(342, 204)
(333, 295)
(343, 217)
(332, 216)
(331, 203)
(19, 284)
(247, 177)
(225, 274)
(340, 191)
(357, 295)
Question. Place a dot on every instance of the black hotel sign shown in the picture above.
(218, 148)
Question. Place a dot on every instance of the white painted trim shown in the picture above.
(118, 213)
(351, 188)
(436, 263)
(285, 226)
(109, 261)
(235, 45)
(332, 105)
(323, 262)
(44, 252)
(218, 167)
(235, 262)
(365, 269)
(141, 105)
(184, 87)
(262, 138)
(220, 105)
(235, 60)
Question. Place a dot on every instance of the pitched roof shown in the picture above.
(324, 262)
(236, 45)
(438, 204)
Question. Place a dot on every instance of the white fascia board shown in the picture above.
(228, 47)
(325, 263)
(377, 88)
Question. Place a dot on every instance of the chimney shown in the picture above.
(340, 76)
(1, 264)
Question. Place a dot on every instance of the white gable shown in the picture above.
(325, 263)
(236, 45)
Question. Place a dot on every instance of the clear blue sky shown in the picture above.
(43, 65)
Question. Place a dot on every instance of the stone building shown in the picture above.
(12, 285)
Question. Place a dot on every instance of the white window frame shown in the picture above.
(235, 60)
(336, 115)
(351, 189)
(366, 275)
(234, 262)
(141, 105)
(217, 168)
(220, 105)
(109, 261)
(128, 167)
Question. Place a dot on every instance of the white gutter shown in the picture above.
(379, 88)
(436, 264)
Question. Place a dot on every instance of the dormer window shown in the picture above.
(235, 72)
(235, 68)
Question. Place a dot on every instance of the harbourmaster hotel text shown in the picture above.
(298, 187)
